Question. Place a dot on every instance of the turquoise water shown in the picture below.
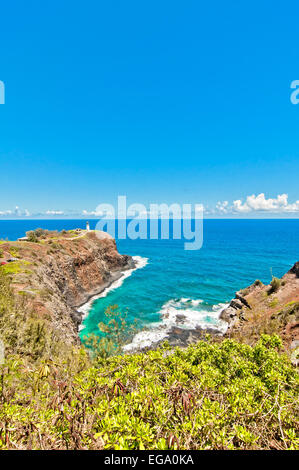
(193, 283)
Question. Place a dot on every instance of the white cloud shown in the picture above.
(261, 203)
(51, 212)
(17, 212)
(96, 213)
(222, 207)
(255, 203)
(239, 207)
(20, 212)
(8, 212)
(292, 207)
(251, 204)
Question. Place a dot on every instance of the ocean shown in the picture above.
(173, 286)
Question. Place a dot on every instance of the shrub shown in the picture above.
(224, 395)
(274, 302)
(19, 325)
(208, 396)
(35, 235)
(32, 236)
(14, 252)
(40, 232)
(275, 285)
(113, 334)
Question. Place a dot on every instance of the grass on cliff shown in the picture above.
(23, 333)
(16, 267)
(224, 395)
(275, 285)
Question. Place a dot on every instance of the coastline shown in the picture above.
(65, 273)
(179, 328)
(115, 281)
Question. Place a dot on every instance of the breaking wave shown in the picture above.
(85, 308)
(184, 313)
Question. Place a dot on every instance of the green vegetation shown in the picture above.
(24, 334)
(114, 333)
(32, 237)
(15, 267)
(208, 396)
(289, 314)
(261, 323)
(56, 246)
(275, 285)
(14, 252)
(274, 302)
(258, 283)
(211, 395)
(40, 234)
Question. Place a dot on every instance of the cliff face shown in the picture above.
(58, 274)
(270, 308)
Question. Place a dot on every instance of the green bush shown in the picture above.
(208, 396)
(24, 333)
(275, 285)
(274, 302)
(14, 252)
(211, 395)
(35, 235)
(32, 236)
(113, 334)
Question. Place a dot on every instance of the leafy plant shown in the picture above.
(275, 285)
(274, 302)
(114, 333)
(208, 396)
(211, 395)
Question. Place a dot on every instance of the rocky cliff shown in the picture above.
(272, 308)
(59, 272)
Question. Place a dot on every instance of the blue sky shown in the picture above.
(185, 102)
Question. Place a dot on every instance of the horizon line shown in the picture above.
(133, 218)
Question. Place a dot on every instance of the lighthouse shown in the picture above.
(87, 226)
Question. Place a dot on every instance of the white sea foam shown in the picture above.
(185, 313)
(182, 312)
(195, 303)
(220, 306)
(146, 338)
(85, 308)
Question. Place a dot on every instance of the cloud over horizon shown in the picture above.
(17, 212)
(260, 203)
(252, 204)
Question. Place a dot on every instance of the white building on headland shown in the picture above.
(87, 226)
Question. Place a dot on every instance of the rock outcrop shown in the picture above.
(295, 269)
(266, 309)
(57, 275)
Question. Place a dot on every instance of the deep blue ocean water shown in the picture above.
(194, 284)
